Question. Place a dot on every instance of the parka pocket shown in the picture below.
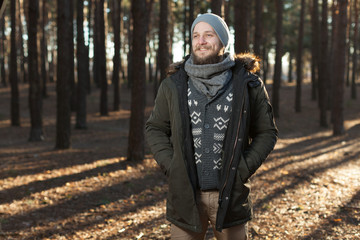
(240, 205)
(243, 170)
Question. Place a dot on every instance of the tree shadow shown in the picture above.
(87, 147)
(19, 192)
(346, 214)
(84, 202)
(284, 164)
(305, 175)
(35, 162)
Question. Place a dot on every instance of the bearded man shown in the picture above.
(211, 128)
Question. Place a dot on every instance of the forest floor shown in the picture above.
(308, 188)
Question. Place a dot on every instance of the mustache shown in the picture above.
(204, 47)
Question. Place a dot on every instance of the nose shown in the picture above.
(202, 40)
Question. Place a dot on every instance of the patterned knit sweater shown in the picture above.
(209, 120)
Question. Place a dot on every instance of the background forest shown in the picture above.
(78, 80)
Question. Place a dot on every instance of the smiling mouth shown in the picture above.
(202, 49)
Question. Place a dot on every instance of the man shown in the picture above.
(211, 128)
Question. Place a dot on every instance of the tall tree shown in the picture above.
(241, 16)
(339, 73)
(2, 51)
(216, 7)
(355, 53)
(102, 59)
(96, 40)
(116, 60)
(82, 58)
(190, 21)
(137, 121)
(90, 29)
(290, 75)
(2, 7)
(185, 28)
(315, 46)
(23, 75)
(227, 15)
(334, 33)
(259, 6)
(15, 103)
(63, 85)
(163, 39)
(278, 57)
(348, 47)
(35, 89)
(323, 64)
(43, 44)
(73, 97)
(299, 63)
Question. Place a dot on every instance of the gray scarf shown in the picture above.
(210, 78)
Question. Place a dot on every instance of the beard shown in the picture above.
(213, 58)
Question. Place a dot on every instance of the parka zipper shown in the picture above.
(233, 152)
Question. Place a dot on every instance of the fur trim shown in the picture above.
(250, 62)
(174, 67)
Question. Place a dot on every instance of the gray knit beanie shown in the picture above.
(217, 23)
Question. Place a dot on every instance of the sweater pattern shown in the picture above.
(209, 121)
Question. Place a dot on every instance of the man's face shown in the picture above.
(206, 45)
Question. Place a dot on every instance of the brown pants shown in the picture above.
(208, 205)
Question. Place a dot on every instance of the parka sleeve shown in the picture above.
(263, 131)
(158, 129)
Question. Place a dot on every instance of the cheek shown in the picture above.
(193, 45)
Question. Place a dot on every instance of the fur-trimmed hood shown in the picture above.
(250, 62)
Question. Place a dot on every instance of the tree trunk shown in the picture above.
(278, 62)
(339, 74)
(52, 67)
(315, 46)
(21, 45)
(348, 46)
(15, 102)
(355, 53)
(265, 64)
(44, 59)
(185, 30)
(259, 5)
(81, 68)
(35, 90)
(323, 65)
(299, 65)
(102, 60)
(163, 39)
(137, 121)
(331, 56)
(241, 16)
(72, 66)
(63, 84)
(130, 52)
(191, 20)
(290, 76)
(216, 7)
(96, 34)
(227, 6)
(90, 26)
(116, 60)
(2, 52)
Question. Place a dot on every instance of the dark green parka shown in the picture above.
(251, 135)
